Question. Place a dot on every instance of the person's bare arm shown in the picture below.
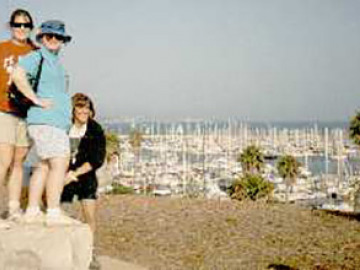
(22, 83)
(73, 175)
(84, 168)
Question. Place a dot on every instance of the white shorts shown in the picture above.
(49, 141)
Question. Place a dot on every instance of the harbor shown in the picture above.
(200, 158)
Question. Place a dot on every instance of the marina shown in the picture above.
(193, 158)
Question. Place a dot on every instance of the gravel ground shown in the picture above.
(169, 233)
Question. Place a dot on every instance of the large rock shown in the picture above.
(36, 247)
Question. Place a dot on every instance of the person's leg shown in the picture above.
(38, 179)
(55, 182)
(15, 180)
(88, 208)
(54, 187)
(16, 186)
(37, 184)
(6, 157)
(8, 124)
(67, 200)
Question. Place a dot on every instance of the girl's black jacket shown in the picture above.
(92, 149)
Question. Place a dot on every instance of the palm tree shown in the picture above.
(252, 159)
(135, 140)
(288, 168)
(354, 133)
(354, 128)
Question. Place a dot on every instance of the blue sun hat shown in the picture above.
(54, 27)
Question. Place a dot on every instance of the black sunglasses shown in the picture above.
(18, 25)
(51, 36)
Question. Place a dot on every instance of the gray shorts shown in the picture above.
(49, 141)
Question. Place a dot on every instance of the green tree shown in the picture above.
(112, 143)
(252, 159)
(288, 168)
(250, 186)
(354, 128)
(354, 133)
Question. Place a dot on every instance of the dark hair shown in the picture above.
(82, 100)
(21, 12)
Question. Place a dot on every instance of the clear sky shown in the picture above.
(261, 60)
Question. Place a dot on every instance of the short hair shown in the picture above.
(82, 100)
(21, 12)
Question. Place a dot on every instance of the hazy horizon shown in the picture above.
(279, 60)
(235, 121)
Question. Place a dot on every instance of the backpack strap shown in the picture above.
(38, 74)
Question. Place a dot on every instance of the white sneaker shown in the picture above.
(60, 220)
(15, 215)
(33, 218)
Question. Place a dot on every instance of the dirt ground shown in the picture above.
(168, 233)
